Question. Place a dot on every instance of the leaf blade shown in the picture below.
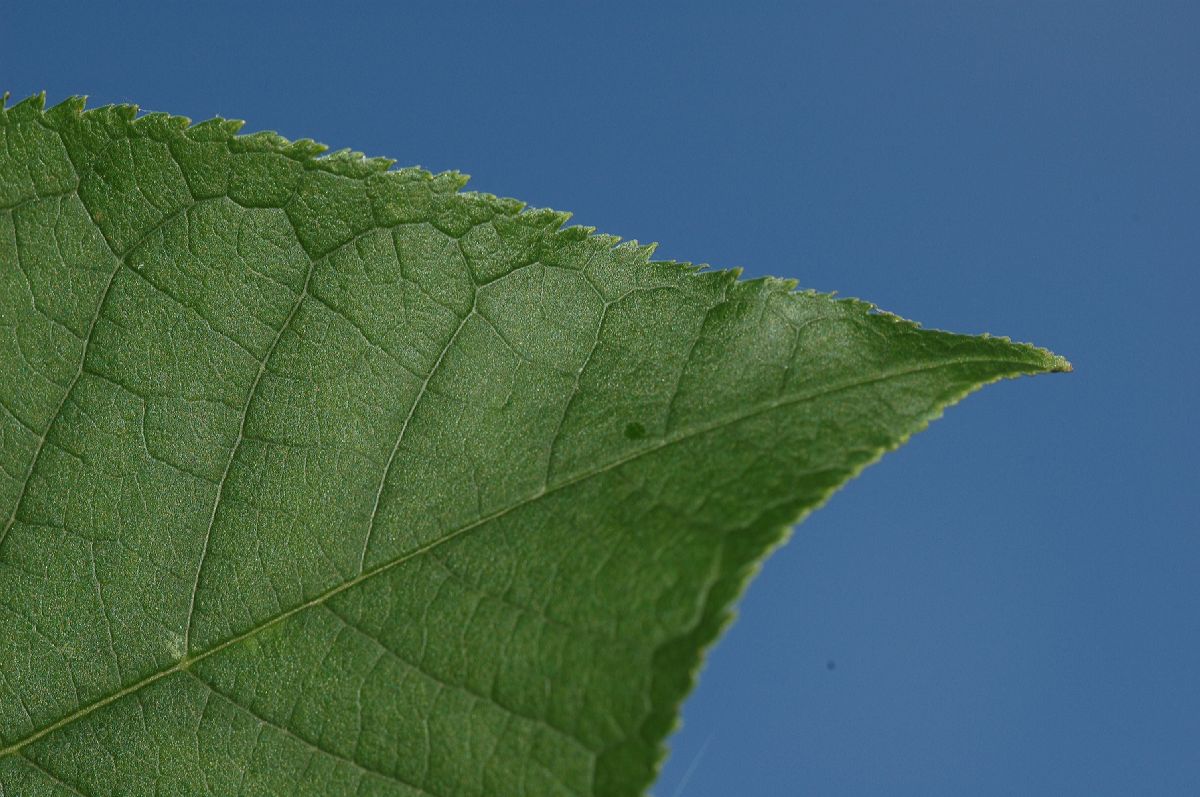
(506, 553)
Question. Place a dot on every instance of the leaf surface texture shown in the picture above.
(321, 477)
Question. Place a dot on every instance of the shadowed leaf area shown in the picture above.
(323, 477)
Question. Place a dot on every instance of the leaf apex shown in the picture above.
(1058, 363)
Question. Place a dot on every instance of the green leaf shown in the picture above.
(319, 477)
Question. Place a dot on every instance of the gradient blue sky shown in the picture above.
(1011, 603)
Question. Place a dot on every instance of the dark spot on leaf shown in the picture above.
(635, 431)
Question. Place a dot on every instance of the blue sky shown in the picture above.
(1011, 603)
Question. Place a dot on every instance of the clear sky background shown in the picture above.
(1010, 605)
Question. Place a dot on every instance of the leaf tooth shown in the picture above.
(380, 163)
(638, 249)
(451, 181)
(159, 121)
(764, 284)
(215, 129)
(71, 107)
(301, 147)
(343, 154)
(552, 220)
(575, 232)
(28, 108)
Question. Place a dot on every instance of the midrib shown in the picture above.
(667, 441)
